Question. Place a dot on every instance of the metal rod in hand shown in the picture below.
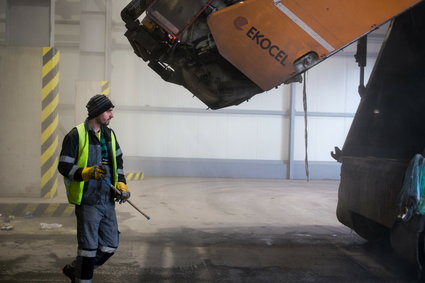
(119, 192)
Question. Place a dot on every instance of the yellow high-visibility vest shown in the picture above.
(74, 189)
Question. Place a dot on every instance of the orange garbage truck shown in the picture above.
(226, 51)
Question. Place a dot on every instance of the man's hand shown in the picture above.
(125, 193)
(95, 172)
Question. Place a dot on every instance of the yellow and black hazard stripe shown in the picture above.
(134, 176)
(105, 89)
(37, 209)
(49, 122)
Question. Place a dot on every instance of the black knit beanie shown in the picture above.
(97, 105)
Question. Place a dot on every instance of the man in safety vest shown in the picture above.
(90, 157)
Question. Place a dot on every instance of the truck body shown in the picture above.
(226, 51)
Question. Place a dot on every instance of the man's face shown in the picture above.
(105, 117)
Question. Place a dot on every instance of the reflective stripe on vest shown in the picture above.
(74, 189)
(114, 157)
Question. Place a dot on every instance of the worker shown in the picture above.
(90, 159)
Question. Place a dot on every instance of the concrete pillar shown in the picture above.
(92, 40)
(20, 116)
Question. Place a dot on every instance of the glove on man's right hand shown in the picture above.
(95, 172)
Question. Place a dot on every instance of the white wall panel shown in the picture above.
(324, 133)
(186, 135)
(273, 138)
(141, 134)
(242, 138)
(117, 6)
(135, 84)
(332, 86)
(67, 10)
(68, 73)
(92, 33)
(91, 67)
(93, 5)
(67, 35)
(118, 37)
(183, 136)
(276, 99)
(66, 121)
(212, 132)
(352, 78)
(327, 86)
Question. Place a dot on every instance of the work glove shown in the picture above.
(125, 193)
(95, 172)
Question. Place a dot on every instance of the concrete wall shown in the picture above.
(28, 22)
(20, 113)
(2, 21)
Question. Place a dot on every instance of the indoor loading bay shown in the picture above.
(189, 141)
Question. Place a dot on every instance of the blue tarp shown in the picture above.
(412, 194)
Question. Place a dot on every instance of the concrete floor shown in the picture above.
(211, 230)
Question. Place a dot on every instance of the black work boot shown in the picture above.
(69, 272)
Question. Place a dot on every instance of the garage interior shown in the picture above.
(233, 194)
